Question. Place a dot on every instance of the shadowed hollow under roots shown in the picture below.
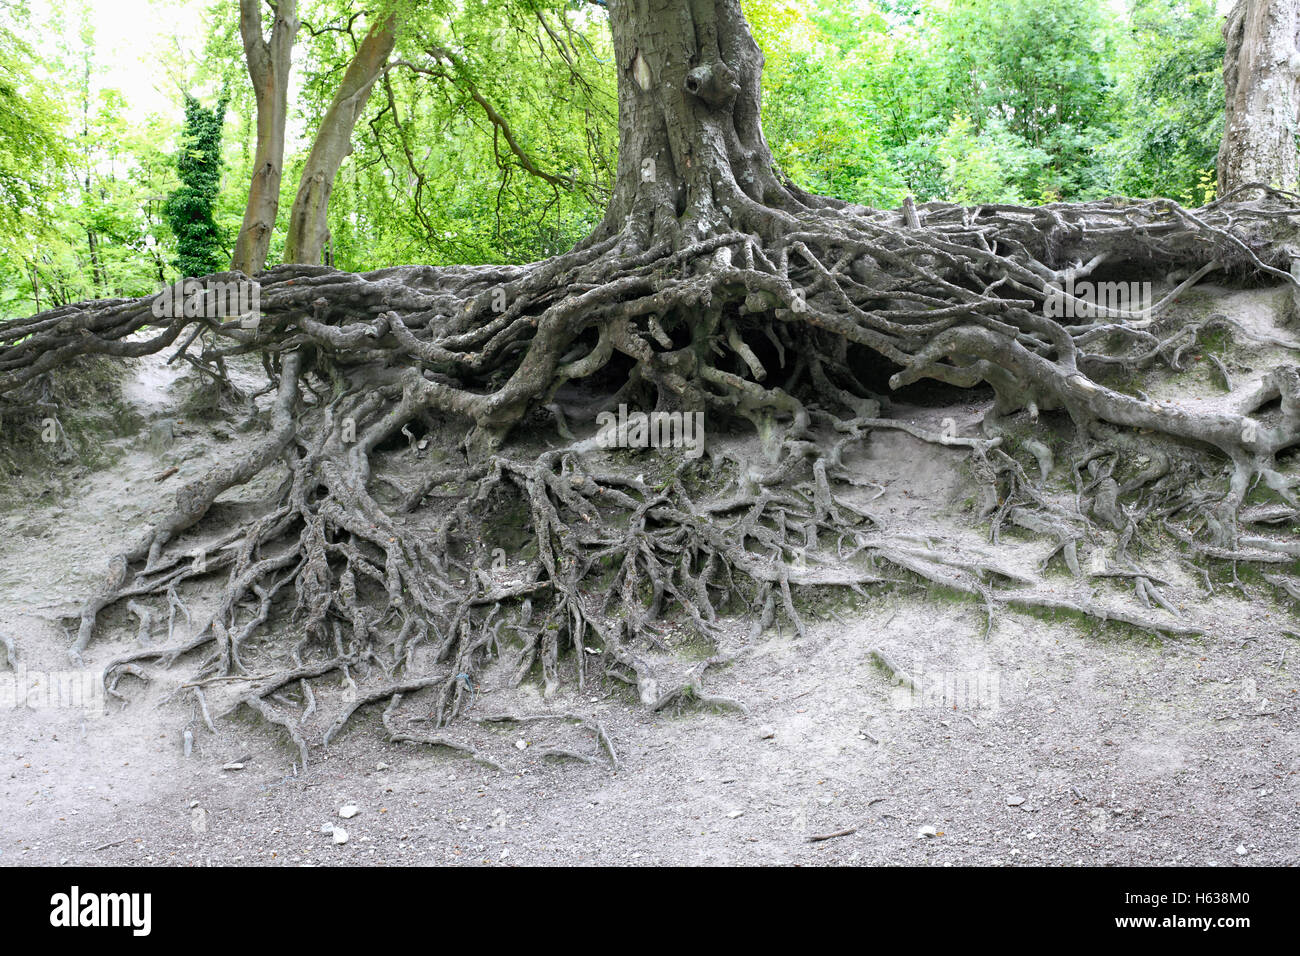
(765, 319)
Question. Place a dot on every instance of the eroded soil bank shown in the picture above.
(1045, 741)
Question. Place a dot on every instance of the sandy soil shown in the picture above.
(1042, 742)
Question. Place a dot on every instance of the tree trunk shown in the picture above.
(269, 63)
(692, 156)
(1260, 71)
(308, 222)
(36, 284)
(96, 266)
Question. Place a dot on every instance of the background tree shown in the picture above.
(269, 60)
(861, 101)
(491, 139)
(1261, 76)
(32, 158)
(188, 210)
(977, 99)
(309, 219)
(90, 222)
(1170, 110)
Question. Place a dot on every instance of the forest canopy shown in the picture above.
(505, 149)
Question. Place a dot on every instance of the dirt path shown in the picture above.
(1044, 742)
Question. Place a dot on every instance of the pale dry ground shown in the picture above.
(1073, 745)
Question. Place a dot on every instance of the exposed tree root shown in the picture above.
(595, 726)
(397, 585)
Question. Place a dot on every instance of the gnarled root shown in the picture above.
(396, 584)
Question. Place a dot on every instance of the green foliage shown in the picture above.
(32, 157)
(434, 177)
(818, 92)
(188, 210)
(868, 100)
(1171, 95)
(988, 166)
(1036, 67)
(94, 170)
(31, 151)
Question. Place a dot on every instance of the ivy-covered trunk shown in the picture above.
(188, 210)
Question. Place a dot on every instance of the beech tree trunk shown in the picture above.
(269, 62)
(691, 150)
(1260, 71)
(308, 222)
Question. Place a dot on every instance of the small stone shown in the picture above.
(735, 813)
(348, 812)
(233, 766)
(381, 766)
(1015, 801)
(521, 745)
(1241, 849)
(340, 836)
(927, 832)
(766, 732)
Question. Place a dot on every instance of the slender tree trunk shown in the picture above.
(308, 222)
(269, 62)
(96, 266)
(36, 284)
(1260, 71)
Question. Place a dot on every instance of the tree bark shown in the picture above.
(269, 62)
(1260, 72)
(691, 150)
(308, 222)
